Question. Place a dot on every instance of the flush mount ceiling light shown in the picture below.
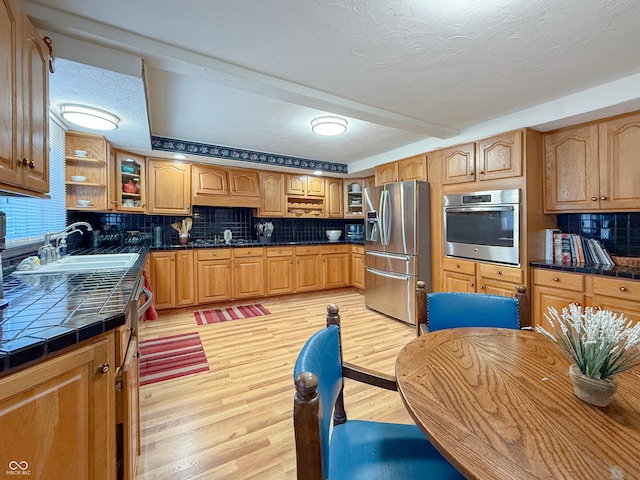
(179, 156)
(89, 117)
(329, 125)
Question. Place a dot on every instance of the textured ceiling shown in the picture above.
(408, 75)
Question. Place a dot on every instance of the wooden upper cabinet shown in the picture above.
(619, 154)
(571, 169)
(386, 173)
(500, 156)
(459, 164)
(413, 168)
(130, 172)
(168, 187)
(94, 167)
(225, 187)
(244, 183)
(489, 159)
(24, 96)
(335, 207)
(305, 185)
(208, 180)
(272, 202)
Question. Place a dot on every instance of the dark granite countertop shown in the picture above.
(47, 313)
(620, 271)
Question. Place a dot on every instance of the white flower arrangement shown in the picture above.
(600, 342)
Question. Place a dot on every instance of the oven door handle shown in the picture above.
(495, 208)
(143, 309)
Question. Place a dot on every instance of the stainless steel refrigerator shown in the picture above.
(397, 247)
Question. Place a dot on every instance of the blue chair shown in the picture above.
(353, 449)
(458, 309)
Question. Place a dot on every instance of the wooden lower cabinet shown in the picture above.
(215, 275)
(467, 276)
(357, 266)
(128, 412)
(280, 273)
(552, 288)
(57, 417)
(249, 272)
(335, 265)
(308, 269)
(172, 277)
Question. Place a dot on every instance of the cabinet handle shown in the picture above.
(603, 198)
(623, 289)
(137, 354)
(556, 279)
(104, 368)
(593, 199)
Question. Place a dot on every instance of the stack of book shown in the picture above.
(569, 248)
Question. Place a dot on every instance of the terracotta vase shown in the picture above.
(595, 391)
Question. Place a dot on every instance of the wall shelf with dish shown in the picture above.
(305, 207)
(130, 182)
(86, 171)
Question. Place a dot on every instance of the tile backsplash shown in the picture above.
(619, 233)
(211, 221)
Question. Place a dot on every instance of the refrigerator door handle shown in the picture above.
(406, 258)
(388, 275)
(381, 218)
(387, 220)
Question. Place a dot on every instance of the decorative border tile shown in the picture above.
(181, 146)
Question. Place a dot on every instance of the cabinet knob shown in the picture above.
(470, 172)
(603, 197)
(228, 265)
(623, 289)
(32, 165)
(556, 279)
(172, 258)
(137, 354)
(481, 287)
(471, 284)
(499, 272)
(104, 368)
(593, 199)
(24, 162)
(457, 265)
(481, 172)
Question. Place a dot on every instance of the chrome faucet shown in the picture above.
(48, 253)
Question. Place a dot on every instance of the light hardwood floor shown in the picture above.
(234, 422)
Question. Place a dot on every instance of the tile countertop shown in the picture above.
(47, 313)
(253, 243)
(619, 271)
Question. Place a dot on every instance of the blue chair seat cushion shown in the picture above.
(373, 450)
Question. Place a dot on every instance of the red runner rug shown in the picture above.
(171, 357)
(204, 317)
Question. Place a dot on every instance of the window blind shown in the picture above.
(29, 218)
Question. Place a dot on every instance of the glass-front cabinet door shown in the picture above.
(353, 198)
(130, 182)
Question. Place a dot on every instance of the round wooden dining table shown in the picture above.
(498, 404)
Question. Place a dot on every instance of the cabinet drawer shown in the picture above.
(280, 252)
(308, 250)
(615, 287)
(358, 249)
(553, 278)
(335, 248)
(214, 254)
(460, 266)
(497, 272)
(248, 252)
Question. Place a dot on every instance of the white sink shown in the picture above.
(85, 263)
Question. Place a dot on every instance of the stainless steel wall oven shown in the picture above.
(483, 226)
